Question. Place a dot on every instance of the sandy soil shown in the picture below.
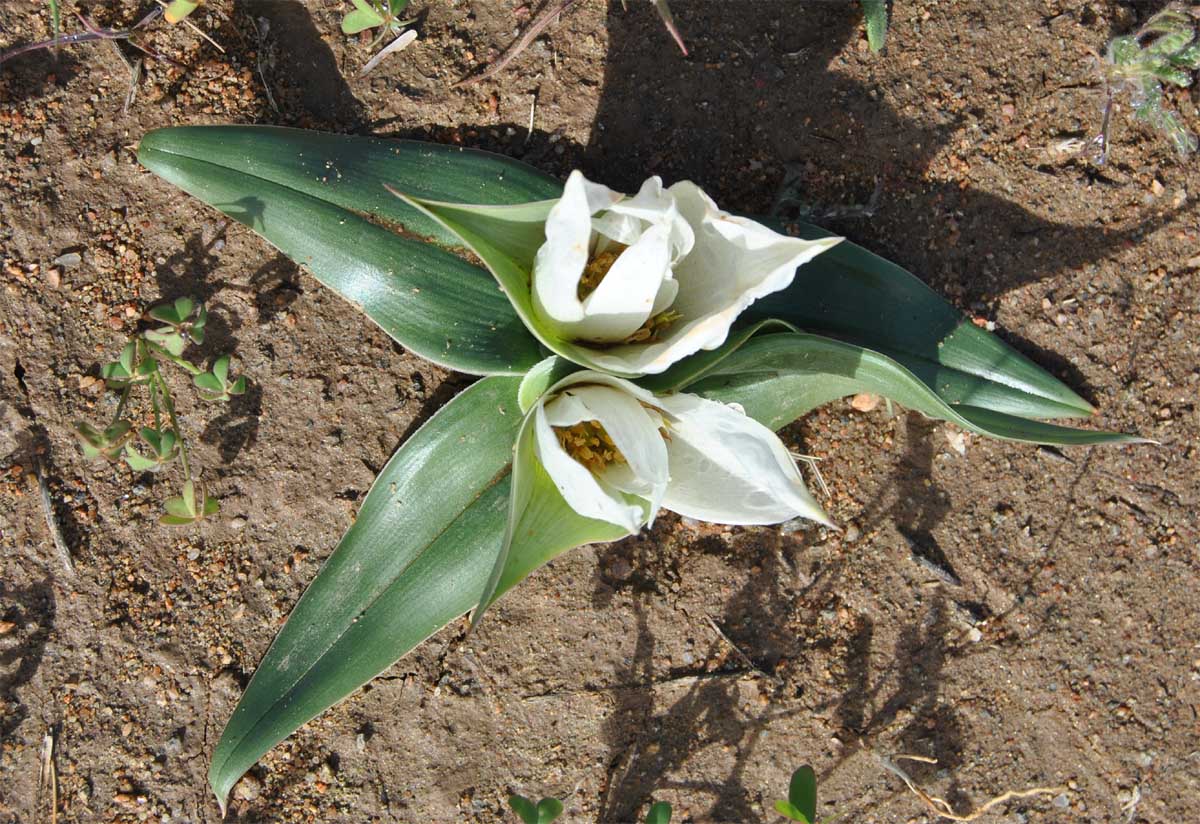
(1027, 617)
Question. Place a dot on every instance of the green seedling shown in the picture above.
(876, 14)
(549, 809)
(801, 804)
(369, 14)
(1162, 53)
(179, 9)
(140, 366)
(660, 813)
(544, 812)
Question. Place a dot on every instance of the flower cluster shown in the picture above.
(637, 284)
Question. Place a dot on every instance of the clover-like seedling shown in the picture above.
(544, 812)
(190, 506)
(215, 385)
(139, 366)
(801, 804)
(1162, 53)
(369, 14)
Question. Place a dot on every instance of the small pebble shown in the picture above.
(1062, 801)
(237, 523)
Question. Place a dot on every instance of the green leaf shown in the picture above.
(238, 387)
(417, 557)
(166, 446)
(126, 359)
(789, 810)
(220, 368)
(183, 308)
(180, 509)
(137, 461)
(166, 313)
(852, 294)
(802, 792)
(176, 520)
(548, 809)
(305, 192)
(524, 808)
(168, 338)
(179, 9)
(211, 506)
(875, 12)
(363, 17)
(209, 382)
(397, 6)
(660, 813)
(540, 378)
(779, 377)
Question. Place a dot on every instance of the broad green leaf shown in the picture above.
(779, 377)
(660, 813)
(852, 294)
(802, 792)
(305, 192)
(790, 811)
(211, 506)
(417, 557)
(209, 382)
(875, 12)
(296, 188)
(183, 308)
(540, 378)
(548, 810)
(176, 520)
(168, 338)
(524, 808)
(181, 508)
(360, 20)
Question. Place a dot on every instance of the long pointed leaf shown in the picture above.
(417, 557)
(852, 294)
(429, 300)
(779, 377)
(846, 292)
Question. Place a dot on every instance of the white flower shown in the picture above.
(618, 453)
(641, 283)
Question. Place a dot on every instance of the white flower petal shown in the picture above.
(625, 298)
(560, 261)
(667, 291)
(730, 469)
(579, 487)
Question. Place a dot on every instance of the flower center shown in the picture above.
(589, 444)
(597, 268)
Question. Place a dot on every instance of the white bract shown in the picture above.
(646, 281)
(618, 453)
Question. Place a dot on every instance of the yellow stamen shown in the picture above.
(652, 329)
(597, 268)
(589, 444)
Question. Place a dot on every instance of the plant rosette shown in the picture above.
(676, 357)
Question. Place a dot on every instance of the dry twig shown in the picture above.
(60, 544)
(940, 806)
(48, 775)
(545, 17)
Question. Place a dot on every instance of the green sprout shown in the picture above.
(876, 13)
(369, 14)
(153, 448)
(544, 812)
(549, 809)
(801, 804)
(1163, 52)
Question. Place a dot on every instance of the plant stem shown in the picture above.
(121, 403)
(185, 365)
(170, 407)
